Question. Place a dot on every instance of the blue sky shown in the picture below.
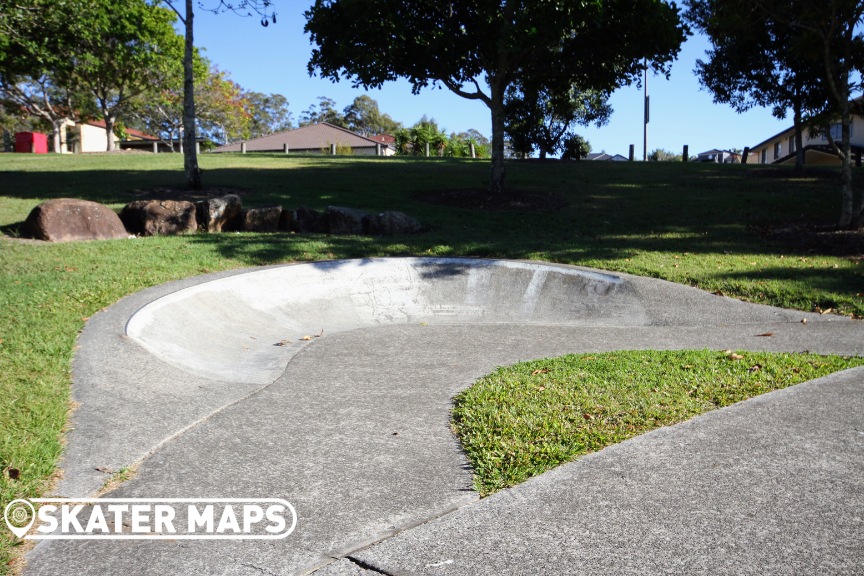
(274, 59)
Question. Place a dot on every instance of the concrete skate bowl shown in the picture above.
(248, 326)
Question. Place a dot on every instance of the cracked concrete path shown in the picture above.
(353, 429)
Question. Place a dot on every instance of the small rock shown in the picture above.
(220, 214)
(308, 220)
(158, 217)
(262, 219)
(67, 219)
(392, 222)
(341, 220)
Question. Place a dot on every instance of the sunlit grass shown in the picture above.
(685, 223)
(523, 420)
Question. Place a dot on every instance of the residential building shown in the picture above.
(780, 148)
(719, 157)
(313, 139)
(604, 157)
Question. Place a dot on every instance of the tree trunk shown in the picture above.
(497, 88)
(190, 155)
(858, 222)
(56, 127)
(799, 134)
(848, 211)
(109, 131)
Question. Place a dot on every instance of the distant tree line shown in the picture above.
(123, 62)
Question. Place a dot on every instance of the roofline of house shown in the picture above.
(139, 133)
(782, 132)
(372, 142)
(858, 100)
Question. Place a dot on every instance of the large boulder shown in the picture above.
(262, 219)
(220, 214)
(342, 220)
(66, 219)
(392, 222)
(152, 217)
(308, 220)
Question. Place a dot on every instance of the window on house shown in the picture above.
(791, 144)
(764, 156)
(837, 131)
(778, 149)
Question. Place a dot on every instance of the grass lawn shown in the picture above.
(696, 224)
(525, 419)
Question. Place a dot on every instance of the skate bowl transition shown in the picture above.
(247, 326)
(239, 320)
(330, 384)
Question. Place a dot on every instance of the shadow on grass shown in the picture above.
(613, 209)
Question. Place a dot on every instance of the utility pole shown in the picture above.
(647, 118)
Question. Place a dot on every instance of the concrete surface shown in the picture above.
(352, 427)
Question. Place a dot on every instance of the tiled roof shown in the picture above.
(313, 137)
(135, 134)
(384, 138)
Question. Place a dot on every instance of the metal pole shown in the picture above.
(647, 118)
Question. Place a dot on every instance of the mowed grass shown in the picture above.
(523, 420)
(687, 223)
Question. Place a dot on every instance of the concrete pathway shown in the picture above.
(352, 427)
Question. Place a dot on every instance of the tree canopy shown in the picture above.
(812, 56)
(130, 47)
(757, 61)
(364, 117)
(478, 48)
(538, 119)
(36, 72)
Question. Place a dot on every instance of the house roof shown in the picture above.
(312, 137)
(790, 130)
(135, 134)
(604, 156)
(384, 138)
(715, 151)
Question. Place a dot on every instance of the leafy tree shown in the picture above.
(187, 17)
(36, 72)
(129, 48)
(223, 111)
(540, 119)
(575, 147)
(459, 145)
(661, 155)
(754, 61)
(269, 113)
(324, 111)
(160, 111)
(478, 48)
(413, 141)
(364, 117)
(826, 52)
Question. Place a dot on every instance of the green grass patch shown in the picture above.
(523, 420)
(695, 224)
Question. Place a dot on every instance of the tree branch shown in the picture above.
(477, 95)
(170, 4)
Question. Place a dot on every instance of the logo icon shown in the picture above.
(19, 516)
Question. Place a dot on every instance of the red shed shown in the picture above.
(31, 142)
